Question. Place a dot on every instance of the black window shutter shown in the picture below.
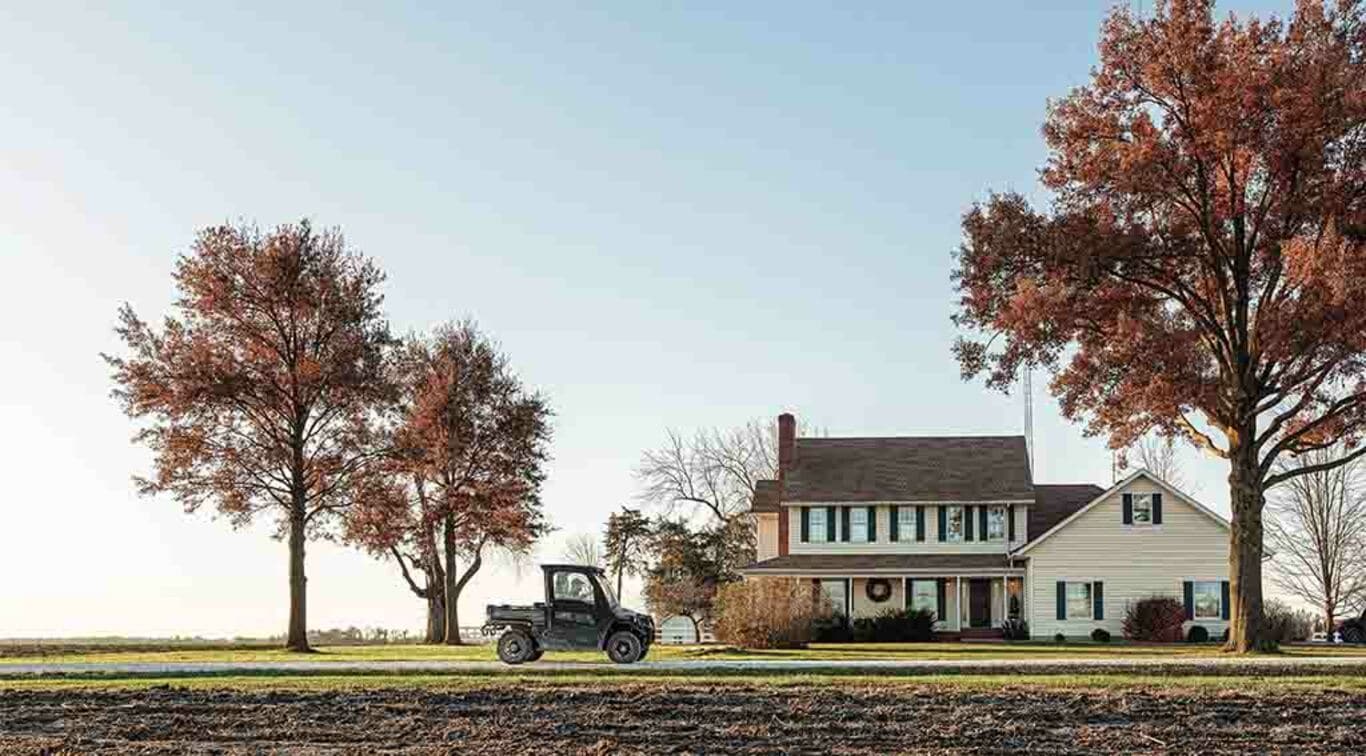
(830, 524)
(941, 596)
(920, 522)
(943, 522)
(844, 523)
(893, 523)
(1098, 598)
(872, 524)
(1128, 508)
(967, 523)
(806, 524)
(1010, 522)
(1188, 592)
(1224, 610)
(1062, 600)
(1157, 509)
(982, 522)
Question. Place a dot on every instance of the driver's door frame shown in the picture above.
(566, 634)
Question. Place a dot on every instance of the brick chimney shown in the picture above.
(787, 454)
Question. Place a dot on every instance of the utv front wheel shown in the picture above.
(624, 647)
(515, 647)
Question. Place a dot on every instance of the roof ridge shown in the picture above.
(901, 438)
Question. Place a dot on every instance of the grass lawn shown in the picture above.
(58, 653)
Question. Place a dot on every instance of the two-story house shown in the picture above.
(956, 525)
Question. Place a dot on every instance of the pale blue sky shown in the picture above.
(671, 216)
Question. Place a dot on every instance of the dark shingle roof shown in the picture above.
(765, 496)
(1056, 502)
(965, 468)
(861, 562)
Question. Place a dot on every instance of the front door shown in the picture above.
(979, 602)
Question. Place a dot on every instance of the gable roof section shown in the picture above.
(1054, 503)
(910, 469)
(1103, 495)
(765, 496)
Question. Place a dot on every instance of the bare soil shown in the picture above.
(683, 718)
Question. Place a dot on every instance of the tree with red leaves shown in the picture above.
(1201, 271)
(260, 394)
(464, 472)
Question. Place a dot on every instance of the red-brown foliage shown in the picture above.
(1157, 619)
(1200, 270)
(259, 393)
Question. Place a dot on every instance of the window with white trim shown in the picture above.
(905, 523)
(925, 595)
(1142, 508)
(1079, 601)
(953, 528)
(858, 524)
(1208, 599)
(837, 593)
(815, 524)
(996, 523)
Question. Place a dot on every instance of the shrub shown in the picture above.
(895, 626)
(833, 629)
(1015, 629)
(1100, 635)
(1059, 638)
(1156, 618)
(1197, 634)
(767, 613)
(1282, 624)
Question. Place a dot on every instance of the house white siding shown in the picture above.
(884, 544)
(1132, 561)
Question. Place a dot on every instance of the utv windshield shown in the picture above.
(607, 591)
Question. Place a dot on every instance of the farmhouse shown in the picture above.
(957, 525)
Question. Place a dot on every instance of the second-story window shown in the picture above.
(858, 524)
(816, 526)
(996, 524)
(954, 523)
(1143, 509)
(905, 524)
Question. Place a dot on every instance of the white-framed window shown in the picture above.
(837, 593)
(905, 523)
(858, 524)
(954, 525)
(1209, 600)
(924, 595)
(1142, 508)
(996, 523)
(1079, 604)
(815, 524)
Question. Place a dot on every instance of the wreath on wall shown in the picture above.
(878, 590)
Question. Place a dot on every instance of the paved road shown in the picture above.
(1279, 665)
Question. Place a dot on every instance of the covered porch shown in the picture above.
(971, 595)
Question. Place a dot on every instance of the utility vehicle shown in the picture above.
(580, 611)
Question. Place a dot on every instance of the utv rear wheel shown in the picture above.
(624, 647)
(515, 647)
(535, 655)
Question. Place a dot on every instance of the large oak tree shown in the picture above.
(259, 394)
(464, 471)
(1201, 269)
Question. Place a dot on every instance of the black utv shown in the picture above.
(580, 611)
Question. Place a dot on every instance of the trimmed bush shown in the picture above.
(1100, 635)
(1155, 619)
(895, 626)
(1015, 629)
(768, 613)
(1059, 638)
(1197, 634)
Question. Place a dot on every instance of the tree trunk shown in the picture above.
(1328, 610)
(436, 615)
(452, 593)
(297, 639)
(1247, 497)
